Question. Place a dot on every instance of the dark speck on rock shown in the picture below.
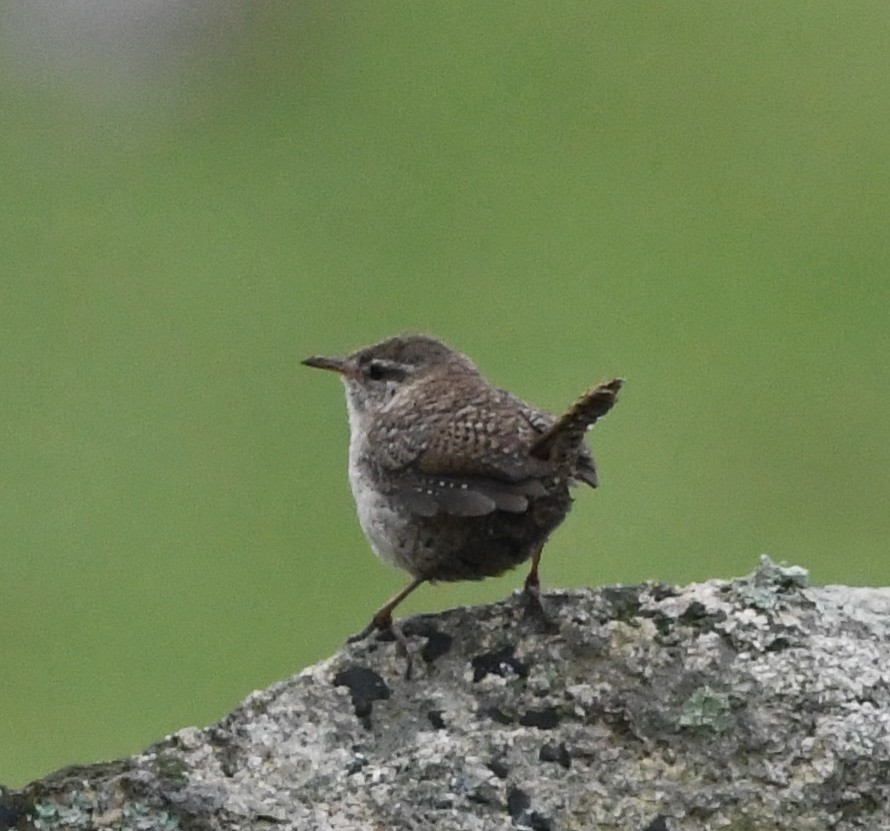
(498, 768)
(437, 643)
(502, 662)
(518, 802)
(498, 716)
(544, 719)
(356, 765)
(663, 623)
(694, 613)
(658, 824)
(435, 718)
(698, 616)
(553, 752)
(365, 687)
(538, 822)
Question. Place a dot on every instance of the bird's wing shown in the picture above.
(465, 460)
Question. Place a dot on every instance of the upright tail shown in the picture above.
(560, 442)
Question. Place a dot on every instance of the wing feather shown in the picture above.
(468, 457)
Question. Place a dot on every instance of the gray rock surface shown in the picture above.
(754, 704)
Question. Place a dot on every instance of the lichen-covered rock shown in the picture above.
(756, 704)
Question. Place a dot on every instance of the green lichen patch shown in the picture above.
(763, 588)
(707, 709)
(73, 811)
(139, 817)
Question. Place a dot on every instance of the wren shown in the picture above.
(453, 478)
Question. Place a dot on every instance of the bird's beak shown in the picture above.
(339, 365)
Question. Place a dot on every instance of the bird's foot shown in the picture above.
(531, 599)
(387, 629)
(381, 622)
(533, 608)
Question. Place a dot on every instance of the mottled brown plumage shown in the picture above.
(453, 478)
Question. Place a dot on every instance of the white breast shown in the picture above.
(387, 530)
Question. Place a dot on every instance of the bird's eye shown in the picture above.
(378, 371)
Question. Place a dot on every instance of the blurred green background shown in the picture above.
(196, 195)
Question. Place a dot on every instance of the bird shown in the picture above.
(454, 478)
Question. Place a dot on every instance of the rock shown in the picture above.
(750, 704)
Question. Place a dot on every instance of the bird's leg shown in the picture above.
(382, 619)
(533, 586)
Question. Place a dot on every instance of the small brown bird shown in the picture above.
(453, 478)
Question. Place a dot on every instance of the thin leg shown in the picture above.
(533, 586)
(382, 619)
(533, 581)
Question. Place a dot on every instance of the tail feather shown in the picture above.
(560, 442)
